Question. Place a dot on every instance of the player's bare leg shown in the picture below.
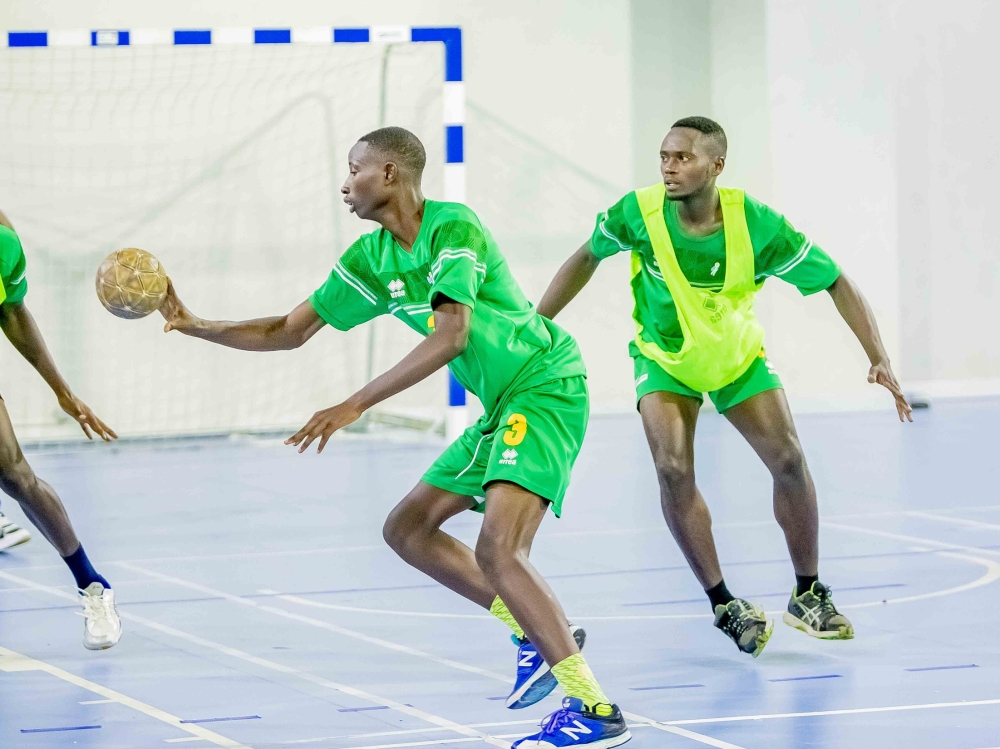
(669, 420)
(37, 499)
(513, 515)
(413, 530)
(765, 421)
(43, 507)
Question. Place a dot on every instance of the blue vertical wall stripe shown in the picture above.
(192, 36)
(456, 392)
(272, 36)
(452, 39)
(27, 39)
(349, 36)
(124, 39)
(454, 144)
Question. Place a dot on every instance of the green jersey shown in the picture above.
(511, 346)
(13, 267)
(779, 250)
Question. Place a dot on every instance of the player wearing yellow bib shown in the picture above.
(699, 254)
(435, 266)
(38, 500)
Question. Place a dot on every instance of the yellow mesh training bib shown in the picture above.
(721, 333)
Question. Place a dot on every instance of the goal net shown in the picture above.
(225, 161)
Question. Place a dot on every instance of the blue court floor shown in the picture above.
(262, 608)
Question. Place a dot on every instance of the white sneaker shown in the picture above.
(11, 534)
(103, 628)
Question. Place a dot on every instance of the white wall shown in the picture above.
(948, 155)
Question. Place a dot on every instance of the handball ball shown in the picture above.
(131, 283)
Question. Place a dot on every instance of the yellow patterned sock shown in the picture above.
(577, 680)
(500, 611)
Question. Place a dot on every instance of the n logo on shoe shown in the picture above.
(527, 660)
(575, 730)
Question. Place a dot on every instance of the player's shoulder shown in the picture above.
(759, 212)
(10, 246)
(444, 212)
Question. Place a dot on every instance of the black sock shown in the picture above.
(719, 595)
(804, 583)
(83, 570)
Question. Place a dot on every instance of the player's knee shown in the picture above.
(16, 477)
(492, 551)
(788, 465)
(397, 529)
(674, 471)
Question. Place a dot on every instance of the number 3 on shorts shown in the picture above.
(518, 428)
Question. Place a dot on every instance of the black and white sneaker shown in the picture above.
(744, 624)
(11, 534)
(813, 612)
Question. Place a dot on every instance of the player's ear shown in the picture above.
(718, 165)
(391, 173)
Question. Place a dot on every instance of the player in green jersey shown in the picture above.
(38, 500)
(699, 253)
(435, 266)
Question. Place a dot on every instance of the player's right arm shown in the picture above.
(569, 281)
(279, 333)
(611, 235)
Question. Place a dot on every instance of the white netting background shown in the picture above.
(225, 162)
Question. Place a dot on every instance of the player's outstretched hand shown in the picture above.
(86, 418)
(881, 374)
(174, 312)
(323, 424)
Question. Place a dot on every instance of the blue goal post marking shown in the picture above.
(453, 115)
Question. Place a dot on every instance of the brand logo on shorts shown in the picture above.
(715, 269)
(509, 457)
(397, 288)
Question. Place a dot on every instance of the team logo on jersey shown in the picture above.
(509, 457)
(715, 269)
(397, 289)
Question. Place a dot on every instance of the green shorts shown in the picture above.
(650, 377)
(531, 439)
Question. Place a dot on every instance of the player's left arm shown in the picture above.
(452, 323)
(21, 330)
(857, 313)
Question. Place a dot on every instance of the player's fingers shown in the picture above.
(327, 433)
(107, 430)
(86, 430)
(295, 438)
(305, 444)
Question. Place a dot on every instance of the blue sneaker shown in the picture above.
(575, 725)
(535, 680)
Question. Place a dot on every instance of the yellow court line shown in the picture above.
(12, 662)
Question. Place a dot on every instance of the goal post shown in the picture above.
(221, 150)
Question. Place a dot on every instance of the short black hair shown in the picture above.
(708, 127)
(399, 143)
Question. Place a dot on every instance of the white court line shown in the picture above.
(396, 647)
(992, 574)
(910, 539)
(957, 521)
(358, 609)
(12, 662)
(848, 711)
(181, 741)
(96, 702)
(251, 603)
(279, 667)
